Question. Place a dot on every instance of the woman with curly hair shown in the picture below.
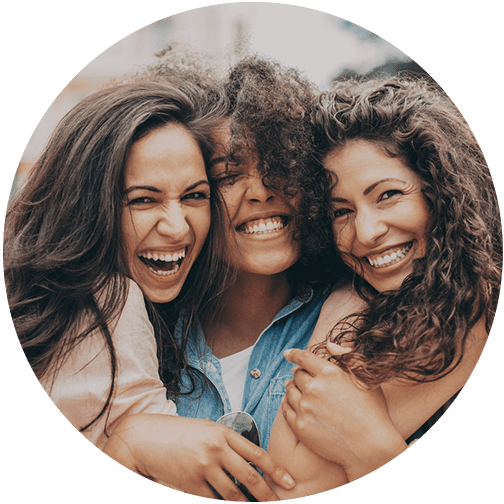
(415, 218)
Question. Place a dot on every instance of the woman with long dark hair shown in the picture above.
(416, 219)
(105, 244)
(69, 249)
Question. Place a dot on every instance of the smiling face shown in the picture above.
(380, 216)
(166, 215)
(260, 227)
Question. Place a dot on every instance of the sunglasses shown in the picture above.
(245, 425)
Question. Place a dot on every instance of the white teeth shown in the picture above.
(389, 259)
(165, 273)
(264, 226)
(163, 257)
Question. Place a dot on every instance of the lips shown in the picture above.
(264, 225)
(162, 263)
(390, 256)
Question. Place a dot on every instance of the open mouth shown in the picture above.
(264, 226)
(163, 264)
(390, 257)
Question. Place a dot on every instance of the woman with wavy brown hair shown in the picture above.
(415, 218)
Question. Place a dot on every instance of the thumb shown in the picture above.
(336, 350)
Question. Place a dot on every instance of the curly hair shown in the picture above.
(270, 122)
(63, 244)
(419, 332)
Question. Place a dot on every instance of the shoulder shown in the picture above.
(342, 301)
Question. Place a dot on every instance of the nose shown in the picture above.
(172, 222)
(370, 226)
(256, 190)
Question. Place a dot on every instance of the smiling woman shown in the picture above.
(416, 221)
(166, 216)
(380, 216)
(117, 208)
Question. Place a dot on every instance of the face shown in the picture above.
(166, 215)
(260, 222)
(380, 216)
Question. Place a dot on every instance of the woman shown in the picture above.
(88, 219)
(115, 215)
(416, 219)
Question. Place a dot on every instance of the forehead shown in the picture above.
(167, 151)
(363, 161)
(228, 148)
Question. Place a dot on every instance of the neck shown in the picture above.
(249, 307)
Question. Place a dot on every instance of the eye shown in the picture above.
(226, 180)
(140, 201)
(197, 195)
(388, 194)
(340, 212)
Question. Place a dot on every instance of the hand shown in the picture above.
(337, 418)
(193, 456)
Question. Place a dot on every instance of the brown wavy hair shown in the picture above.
(63, 241)
(419, 332)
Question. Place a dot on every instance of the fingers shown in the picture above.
(289, 414)
(336, 350)
(264, 462)
(305, 359)
(292, 394)
(221, 483)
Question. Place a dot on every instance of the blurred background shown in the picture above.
(322, 46)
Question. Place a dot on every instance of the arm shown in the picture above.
(193, 455)
(82, 384)
(411, 405)
(343, 461)
(312, 407)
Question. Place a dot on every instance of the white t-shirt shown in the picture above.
(234, 374)
(82, 385)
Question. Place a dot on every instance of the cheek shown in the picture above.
(200, 223)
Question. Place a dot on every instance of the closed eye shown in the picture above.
(227, 180)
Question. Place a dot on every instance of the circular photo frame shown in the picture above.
(47, 457)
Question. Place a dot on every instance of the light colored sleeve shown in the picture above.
(81, 387)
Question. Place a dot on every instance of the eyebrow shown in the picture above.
(369, 189)
(372, 186)
(156, 190)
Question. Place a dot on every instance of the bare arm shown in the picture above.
(347, 424)
(312, 472)
(320, 405)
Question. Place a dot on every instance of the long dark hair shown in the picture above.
(419, 332)
(62, 241)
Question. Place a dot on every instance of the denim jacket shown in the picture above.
(267, 369)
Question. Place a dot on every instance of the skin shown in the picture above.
(379, 213)
(351, 430)
(166, 210)
(261, 256)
